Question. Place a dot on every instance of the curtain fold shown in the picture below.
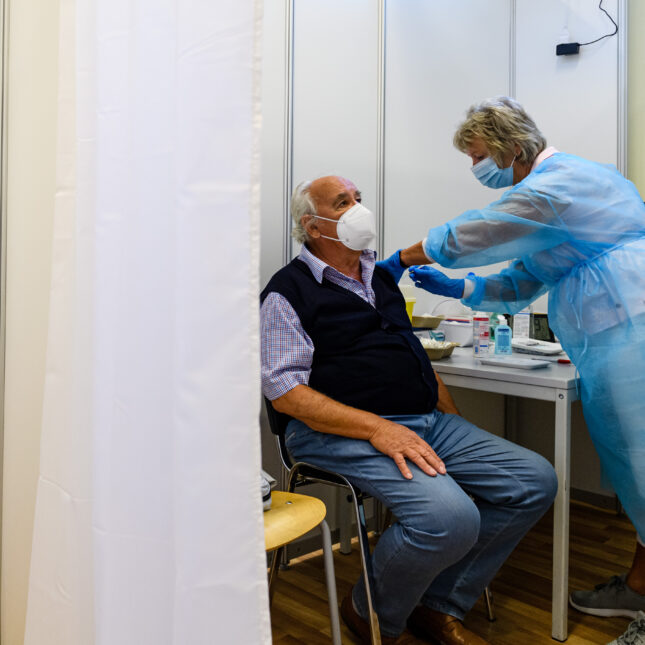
(148, 523)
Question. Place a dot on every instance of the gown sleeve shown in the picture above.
(508, 291)
(526, 219)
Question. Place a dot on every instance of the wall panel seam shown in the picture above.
(288, 134)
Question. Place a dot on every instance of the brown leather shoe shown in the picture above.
(361, 627)
(441, 629)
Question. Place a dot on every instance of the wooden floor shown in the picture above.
(602, 545)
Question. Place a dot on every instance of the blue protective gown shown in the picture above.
(576, 229)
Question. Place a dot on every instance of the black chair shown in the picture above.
(302, 473)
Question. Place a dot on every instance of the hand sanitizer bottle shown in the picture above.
(494, 321)
(503, 337)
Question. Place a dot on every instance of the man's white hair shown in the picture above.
(301, 204)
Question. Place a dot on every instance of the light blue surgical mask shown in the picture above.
(491, 175)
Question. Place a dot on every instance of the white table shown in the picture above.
(556, 383)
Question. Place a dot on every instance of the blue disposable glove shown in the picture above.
(393, 265)
(436, 282)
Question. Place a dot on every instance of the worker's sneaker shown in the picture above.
(613, 598)
(635, 634)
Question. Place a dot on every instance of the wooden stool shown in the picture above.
(291, 516)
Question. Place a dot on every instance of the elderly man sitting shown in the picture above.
(339, 357)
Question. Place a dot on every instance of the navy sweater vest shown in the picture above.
(364, 356)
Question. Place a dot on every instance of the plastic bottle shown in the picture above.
(503, 336)
(494, 321)
(481, 333)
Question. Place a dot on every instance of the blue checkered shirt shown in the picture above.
(286, 349)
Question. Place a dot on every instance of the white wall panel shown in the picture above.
(573, 99)
(274, 73)
(335, 92)
(439, 61)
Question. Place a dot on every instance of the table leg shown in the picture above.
(561, 516)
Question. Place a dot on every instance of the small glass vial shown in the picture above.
(503, 336)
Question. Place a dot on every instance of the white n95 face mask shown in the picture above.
(356, 228)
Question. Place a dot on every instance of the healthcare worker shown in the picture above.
(575, 229)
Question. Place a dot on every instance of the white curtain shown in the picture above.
(148, 525)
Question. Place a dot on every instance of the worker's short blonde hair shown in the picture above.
(501, 122)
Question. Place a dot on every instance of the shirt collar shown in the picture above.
(318, 266)
(545, 154)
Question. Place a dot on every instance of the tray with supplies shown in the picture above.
(533, 346)
(436, 349)
(515, 362)
(426, 321)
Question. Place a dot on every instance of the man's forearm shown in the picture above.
(414, 255)
(321, 413)
(326, 415)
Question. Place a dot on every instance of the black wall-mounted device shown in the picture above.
(567, 49)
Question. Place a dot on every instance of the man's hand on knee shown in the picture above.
(401, 443)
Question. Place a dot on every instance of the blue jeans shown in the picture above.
(445, 547)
